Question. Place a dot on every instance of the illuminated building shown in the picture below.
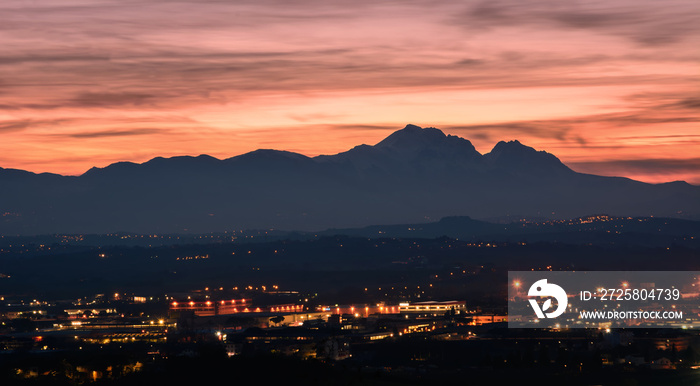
(231, 306)
(432, 307)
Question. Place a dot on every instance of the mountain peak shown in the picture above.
(513, 146)
(271, 154)
(515, 154)
(413, 139)
(412, 135)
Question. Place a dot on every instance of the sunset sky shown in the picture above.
(610, 87)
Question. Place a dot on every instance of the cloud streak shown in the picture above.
(681, 111)
(647, 166)
(653, 169)
(110, 133)
(14, 125)
(645, 23)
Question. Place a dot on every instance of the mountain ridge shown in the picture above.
(413, 174)
(410, 137)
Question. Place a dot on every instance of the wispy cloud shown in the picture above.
(649, 169)
(646, 166)
(111, 99)
(657, 110)
(16, 125)
(645, 23)
(111, 133)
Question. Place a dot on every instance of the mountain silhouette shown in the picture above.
(413, 175)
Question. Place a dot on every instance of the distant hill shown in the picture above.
(415, 175)
(589, 230)
(453, 227)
